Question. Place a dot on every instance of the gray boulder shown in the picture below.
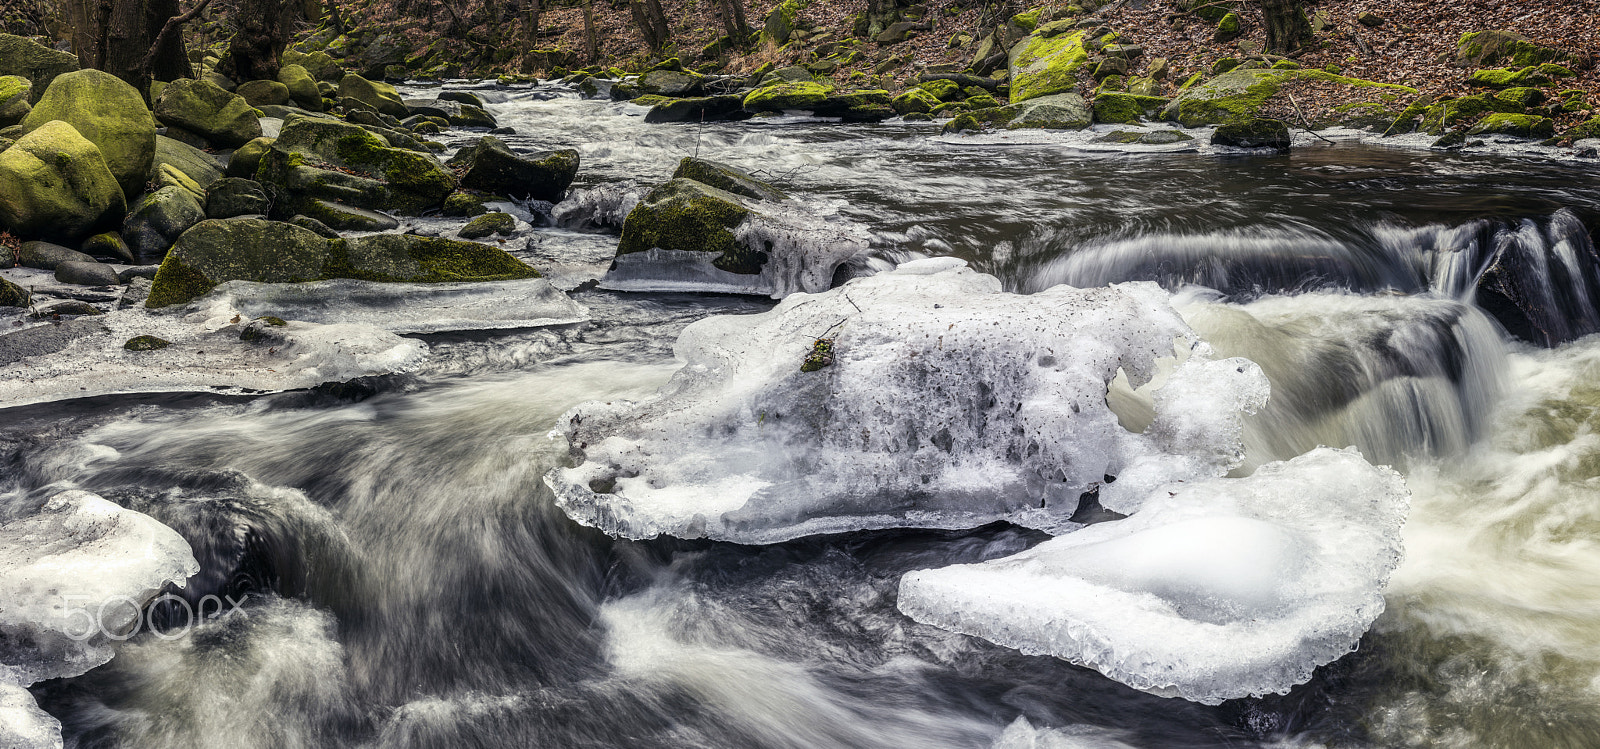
(235, 196)
(205, 109)
(46, 256)
(493, 167)
(158, 219)
(86, 274)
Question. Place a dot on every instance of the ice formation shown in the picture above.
(803, 249)
(1214, 590)
(206, 354)
(73, 579)
(942, 402)
(406, 307)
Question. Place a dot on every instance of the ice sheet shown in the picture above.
(406, 307)
(1214, 590)
(948, 404)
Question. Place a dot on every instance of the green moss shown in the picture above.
(1521, 96)
(1451, 112)
(1228, 28)
(464, 204)
(274, 321)
(687, 215)
(1237, 96)
(1286, 65)
(1483, 47)
(438, 260)
(1502, 78)
(1590, 129)
(1040, 66)
(942, 90)
(1520, 125)
(1027, 21)
(489, 223)
(982, 101)
(175, 283)
(1125, 108)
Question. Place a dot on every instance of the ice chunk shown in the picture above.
(406, 307)
(206, 354)
(22, 724)
(1214, 590)
(74, 578)
(941, 402)
(1022, 735)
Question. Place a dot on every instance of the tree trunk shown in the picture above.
(658, 20)
(264, 27)
(742, 41)
(530, 23)
(1287, 27)
(647, 28)
(123, 38)
(591, 38)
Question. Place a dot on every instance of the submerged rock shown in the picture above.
(1214, 590)
(938, 401)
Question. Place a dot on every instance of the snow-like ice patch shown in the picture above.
(22, 724)
(947, 404)
(406, 307)
(1214, 590)
(73, 579)
(206, 355)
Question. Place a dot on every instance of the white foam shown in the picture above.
(949, 404)
(206, 355)
(73, 579)
(406, 307)
(1214, 590)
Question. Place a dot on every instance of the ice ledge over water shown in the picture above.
(405, 307)
(947, 403)
(74, 578)
(1214, 590)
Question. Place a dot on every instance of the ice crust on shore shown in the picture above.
(206, 355)
(948, 404)
(1214, 590)
(406, 307)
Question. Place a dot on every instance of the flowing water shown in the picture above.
(408, 582)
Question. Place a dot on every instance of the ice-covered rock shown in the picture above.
(406, 307)
(209, 351)
(920, 397)
(74, 578)
(1214, 590)
(22, 724)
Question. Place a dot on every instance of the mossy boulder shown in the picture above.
(108, 246)
(452, 112)
(1229, 28)
(259, 94)
(1120, 108)
(801, 95)
(1462, 110)
(29, 59)
(146, 343)
(1260, 133)
(983, 119)
(158, 219)
(12, 295)
(691, 216)
(205, 109)
(1522, 96)
(941, 89)
(318, 158)
(15, 99)
(108, 112)
(379, 96)
(1237, 97)
(1589, 129)
(1502, 78)
(302, 87)
(1519, 125)
(871, 105)
(915, 100)
(250, 249)
(728, 178)
(489, 223)
(246, 159)
(1041, 66)
(346, 217)
(235, 196)
(697, 109)
(1054, 112)
(672, 83)
(1491, 47)
(464, 204)
(55, 184)
(492, 167)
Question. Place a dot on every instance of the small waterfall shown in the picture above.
(1539, 279)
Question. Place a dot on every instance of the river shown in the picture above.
(410, 583)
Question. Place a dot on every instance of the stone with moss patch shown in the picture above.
(1126, 109)
(1518, 125)
(1462, 110)
(1041, 66)
(691, 216)
(380, 96)
(464, 204)
(15, 99)
(1502, 78)
(318, 158)
(109, 113)
(21, 56)
(489, 223)
(914, 100)
(941, 89)
(1490, 47)
(1259, 133)
(724, 177)
(12, 295)
(802, 95)
(1238, 96)
(491, 166)
(1054, 112)
(146, 343)
(246, 159)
